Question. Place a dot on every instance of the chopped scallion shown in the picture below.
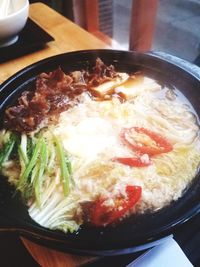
(65, 176)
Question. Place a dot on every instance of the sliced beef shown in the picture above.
(54, 92)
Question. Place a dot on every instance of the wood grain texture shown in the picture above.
(51, 258)
(143, 18)
(92, 15)
(68, 37)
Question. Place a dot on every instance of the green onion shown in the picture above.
(2, 137)
(65, 176)
(22, 152)
(69, 167)
(22, 156)
(23, 148)
(24, 177)
(30, 147)
(51, 159)
(42, 162)
(7, 149)
(34, 173)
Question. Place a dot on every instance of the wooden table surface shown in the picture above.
(68, 37)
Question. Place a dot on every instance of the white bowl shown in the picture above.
(13, 23)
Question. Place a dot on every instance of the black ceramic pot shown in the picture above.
(135, 233)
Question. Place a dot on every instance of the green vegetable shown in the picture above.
(7, 148)
(65, 175)
(69, 166)
(42, 159)
(23, 179)
(51, 158)
(31, 143)
(23, 148)
(4, 137)
(22, 153)
(39, 177)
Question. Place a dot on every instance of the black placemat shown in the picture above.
(31, 38)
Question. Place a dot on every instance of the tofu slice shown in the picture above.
(133, 87)
(108, 87)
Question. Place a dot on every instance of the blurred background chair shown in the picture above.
(96, 16)
(142, 25)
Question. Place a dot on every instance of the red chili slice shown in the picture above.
(133, 162)
(102, 215)
(162, 145)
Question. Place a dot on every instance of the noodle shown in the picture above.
(91, 134)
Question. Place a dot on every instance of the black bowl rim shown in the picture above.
(48, 233)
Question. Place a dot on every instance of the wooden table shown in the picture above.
(68, 37)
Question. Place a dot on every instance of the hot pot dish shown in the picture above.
(94, 147)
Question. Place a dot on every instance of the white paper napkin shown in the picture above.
(168, 254)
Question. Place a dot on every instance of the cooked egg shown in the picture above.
(88, 138)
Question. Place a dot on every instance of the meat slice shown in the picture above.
(51, 95)
(54, 92)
